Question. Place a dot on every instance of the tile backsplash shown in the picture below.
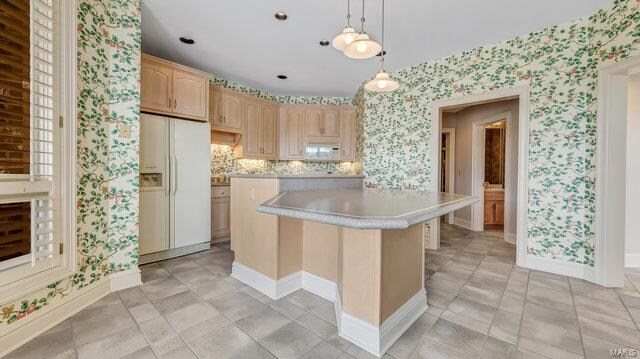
(223, 162)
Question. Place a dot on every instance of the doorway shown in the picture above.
(447, 167)
(469, 163)
(617, 196)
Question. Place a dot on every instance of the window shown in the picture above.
(36, 169)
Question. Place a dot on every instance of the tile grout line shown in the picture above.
(575, 309)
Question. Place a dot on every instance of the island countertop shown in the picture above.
(365, 208)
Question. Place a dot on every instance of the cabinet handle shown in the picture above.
(175, 103)
(170, 103)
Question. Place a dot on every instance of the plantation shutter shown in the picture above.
(28, 139)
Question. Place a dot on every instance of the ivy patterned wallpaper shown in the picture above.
(560, 64)
(223, 162)
(108, 34)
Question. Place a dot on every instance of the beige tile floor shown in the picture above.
(480, 306)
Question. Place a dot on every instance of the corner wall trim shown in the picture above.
(569, 269)
(254, 279)
(632, 260)
(57, 312)
(127, 279)
(319, 286)
(462, 223)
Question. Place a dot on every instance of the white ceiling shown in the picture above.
(241, 41)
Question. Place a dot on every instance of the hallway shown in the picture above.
(480, 307)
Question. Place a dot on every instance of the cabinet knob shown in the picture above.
(175, 103)
(169, 103)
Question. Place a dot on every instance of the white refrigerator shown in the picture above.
(175, 187)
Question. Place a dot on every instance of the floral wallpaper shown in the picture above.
(108, 35)
(223, 162)
(560, 64)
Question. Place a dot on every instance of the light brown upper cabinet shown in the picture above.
(348, 134)
(291, 133)
(225, 111)
(172, 89)
(259, 130)
(268, 126)
(321, 124)
(331, 123)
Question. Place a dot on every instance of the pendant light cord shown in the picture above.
(348, 13)
(362, 19)
(382, 51)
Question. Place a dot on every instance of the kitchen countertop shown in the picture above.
(220, 184)
(313, 175)
(365, 208)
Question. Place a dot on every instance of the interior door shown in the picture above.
(190, 94)
(268, 131)
(155, 88)
(252, 114)
(331, 123)
(190, 183)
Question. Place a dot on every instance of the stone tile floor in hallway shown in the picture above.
(481, 306)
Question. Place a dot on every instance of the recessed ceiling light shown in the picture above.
(280, 15)
(187, 40)
(324, 43)
(282, 77)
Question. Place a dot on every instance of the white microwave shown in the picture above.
(322, 152)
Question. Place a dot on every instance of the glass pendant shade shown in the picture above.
(362, 47)
(346, 37)
(382, 83)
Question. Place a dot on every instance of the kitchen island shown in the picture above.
(362, 249)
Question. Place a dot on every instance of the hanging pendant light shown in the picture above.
(363, 47)
(382, 82)
(347, 35)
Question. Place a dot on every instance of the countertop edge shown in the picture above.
(402, 222)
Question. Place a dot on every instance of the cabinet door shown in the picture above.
(232, 111)
(331, 123)
(215, 113)
(348, 135)
(220, 224)
(268, 131)
(312, 122)
(488, 211)
(498, 213)
(294, 122)
(252, 113)
(190, 95)
(155, 88)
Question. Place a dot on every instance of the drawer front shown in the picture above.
(494, 196)
(217, 192)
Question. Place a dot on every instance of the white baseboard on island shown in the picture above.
(378, 340)
(366, 335)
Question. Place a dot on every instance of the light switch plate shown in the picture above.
(125, 131)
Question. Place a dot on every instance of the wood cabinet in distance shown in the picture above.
(171, 89)
(348, 134)
(259, 130)
(291, 127)
(225, 112)
(321, 124)
(494, 209)
(220, 213)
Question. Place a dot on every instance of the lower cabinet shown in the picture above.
(494, 209)
(220, 213)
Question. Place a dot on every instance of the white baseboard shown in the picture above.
(319, 286)
(127, 279)
(569, 269)
(377, 340)
(510, 238)
(632, 260)
(462, 223)
(19, 333)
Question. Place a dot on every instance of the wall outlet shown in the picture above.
(125, 131)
